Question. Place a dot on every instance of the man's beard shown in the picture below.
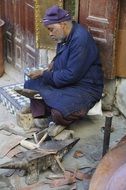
(59, 39)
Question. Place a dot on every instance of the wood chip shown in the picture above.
(78, 154)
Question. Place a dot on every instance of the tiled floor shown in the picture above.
(11, 99)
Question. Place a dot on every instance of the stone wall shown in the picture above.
(121, 96)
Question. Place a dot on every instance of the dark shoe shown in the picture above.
(33, 94)
(42, 122)
(26, 109)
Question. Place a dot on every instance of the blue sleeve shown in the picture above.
(48, 78)
(80, 59)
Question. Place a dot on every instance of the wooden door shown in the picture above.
(20, 33)
(101, 19)
(24, 40)
(8, 16)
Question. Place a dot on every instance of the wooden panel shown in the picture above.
(121, 46)
(72, 6)
(29, 24)
(18, 29)
(8, 6)
(9, 11)
(42, 37)
(1, 47)
(1, 11)
(31, 53)
(19, 16)
(30, 59)
(100, 17)
(20, 33)
(9, 48)
(24, 41)
(18, 55)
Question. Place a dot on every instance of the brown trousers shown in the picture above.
(40, 110)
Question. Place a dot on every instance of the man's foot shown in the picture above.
(33, 94)
(42, 122)
(26, 109)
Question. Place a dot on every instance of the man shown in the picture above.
(74, 82)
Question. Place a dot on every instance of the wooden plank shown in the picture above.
(121, 42)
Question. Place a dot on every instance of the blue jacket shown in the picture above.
(76, 80)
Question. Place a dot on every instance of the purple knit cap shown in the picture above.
(55, 15)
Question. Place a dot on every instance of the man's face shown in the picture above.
(56, 31)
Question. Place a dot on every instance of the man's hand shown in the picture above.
(35, 74)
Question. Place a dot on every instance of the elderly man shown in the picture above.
(74, 82)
